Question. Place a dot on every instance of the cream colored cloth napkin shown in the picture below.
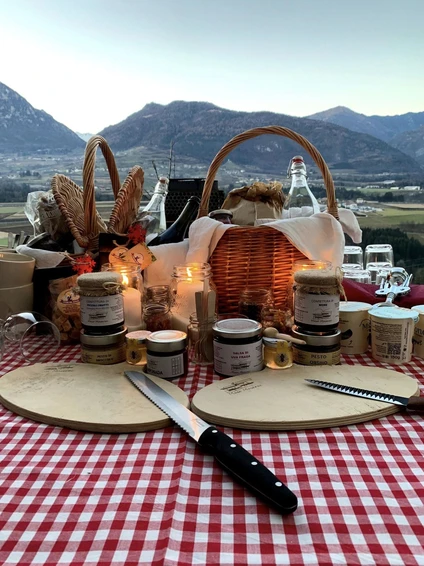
(167, 255)
(318, 237)
(43, 258)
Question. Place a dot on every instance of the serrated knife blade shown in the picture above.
(233, 458)
(411, 403)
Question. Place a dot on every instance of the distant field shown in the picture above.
(392, 217)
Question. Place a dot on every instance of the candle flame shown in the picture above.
(189, 275)
(125, 280)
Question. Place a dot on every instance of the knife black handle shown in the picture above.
(240, 464)
(415, 404)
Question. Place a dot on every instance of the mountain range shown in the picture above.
(200, 129)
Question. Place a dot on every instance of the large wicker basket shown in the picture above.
(256, 256)
(78, 206)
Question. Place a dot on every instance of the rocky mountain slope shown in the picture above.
(24, 129)
(411, 143)
(382, 127)
(200, 129)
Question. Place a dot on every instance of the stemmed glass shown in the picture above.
(34, 336)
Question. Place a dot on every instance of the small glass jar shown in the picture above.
(157, 316)
(101, 303)
(321, 349)
(104, 349)
(200, 341)
(278, 354)
(132, 292)
(237, 346)
(136, 347)
(188, 279)
(253, 300)
(222, 215)
(158, 294)
(167, 354)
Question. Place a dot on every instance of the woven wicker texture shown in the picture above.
(256, 256)
(79, 206)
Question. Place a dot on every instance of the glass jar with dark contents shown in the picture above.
(253, 300)
(237, 346)
(167, 354)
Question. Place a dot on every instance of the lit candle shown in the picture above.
(132, 306)
(186, 298)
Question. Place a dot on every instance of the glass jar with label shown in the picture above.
(321, 349)
(136, 348)
(167, 354)
(316, 300)
(103, 349)
(101, 302)
(132, 292)
(237, 346)
(278, 354)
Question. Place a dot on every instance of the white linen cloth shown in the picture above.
(318, 237)
(43, 258)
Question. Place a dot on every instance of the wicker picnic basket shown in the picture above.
(256, 256)
(78, 206)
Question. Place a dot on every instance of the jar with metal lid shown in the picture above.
(237, 346)
(167, 354)
(316, 300)
(222, 215)
(321, 349)
(278, 354)
(156, 316)
(136, 348)
(101, 302)
(103, 349)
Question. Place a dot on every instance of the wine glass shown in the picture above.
(34, 336)
(353, 255)
(379, 253)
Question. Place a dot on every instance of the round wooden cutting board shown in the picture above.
(283, 400)
(95, 398)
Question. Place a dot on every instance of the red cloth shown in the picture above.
(365, 293)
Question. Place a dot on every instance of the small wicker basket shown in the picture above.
(78, 206)
(256, 256)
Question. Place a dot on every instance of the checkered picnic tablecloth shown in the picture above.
(154, 498)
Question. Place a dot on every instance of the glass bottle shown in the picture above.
(300, 201)
(155, 209)
(178, 230)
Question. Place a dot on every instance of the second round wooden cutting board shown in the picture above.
(283, 400)
(88, 397)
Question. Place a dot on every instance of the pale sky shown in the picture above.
(92, 63)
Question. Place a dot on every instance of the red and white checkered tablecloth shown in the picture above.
(74, 498)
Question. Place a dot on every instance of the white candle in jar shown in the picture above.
(132, 308)
(186, 298)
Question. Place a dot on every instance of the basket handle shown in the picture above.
(253, 133)
(93, 143)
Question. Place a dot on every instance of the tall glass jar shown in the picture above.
(200, 340)
(187, 280)
(253, 300)
(158, 294)
(132, 285)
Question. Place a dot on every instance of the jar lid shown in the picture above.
(354, 306)
(316, 277)
(418, 308)
(236, 328)
(320, 339)
(166, 341)
(220, 212)
(99, 279)
(394, 312)
(102, 339)
(138, 336)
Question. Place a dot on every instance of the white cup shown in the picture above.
(354, 325)
(418, 339)
(392, 329)
(16, 269)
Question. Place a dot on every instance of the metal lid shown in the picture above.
(138, 336)
(166, 341)
(103, 339)
(236, 328)
(220, 212)
(320, 339)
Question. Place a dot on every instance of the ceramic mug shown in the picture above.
(392, 330)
